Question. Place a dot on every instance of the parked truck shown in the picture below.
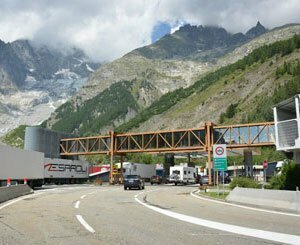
(18, 166)
(63, 171)
(146, 171)
(182, 175)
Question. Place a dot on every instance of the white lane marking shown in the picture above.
(77, 204)
(268, 235)
(83, 196)
(241, 206)
(19, 199)
(85, 225)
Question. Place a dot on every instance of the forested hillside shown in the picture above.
(258, 57)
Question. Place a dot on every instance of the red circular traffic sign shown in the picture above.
(219, 150)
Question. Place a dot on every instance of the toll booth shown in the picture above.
(287, 126)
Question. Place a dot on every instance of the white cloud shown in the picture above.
(107, 29)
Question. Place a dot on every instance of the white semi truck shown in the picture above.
(182, 174)
(63, 171)
(18, 165)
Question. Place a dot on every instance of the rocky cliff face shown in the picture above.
(35, 80)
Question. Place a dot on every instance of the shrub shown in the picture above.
(289, 178)
(276, 182)
(244, 182)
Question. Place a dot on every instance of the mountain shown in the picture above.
(175, 64)
(256, 31)
(197, 43)
(35, 80)
(151, 85)
(242, 92)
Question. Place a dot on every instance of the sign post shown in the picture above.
(220, 160)
(265, 165)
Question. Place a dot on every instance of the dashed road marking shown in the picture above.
(77, 204)
(262, 234)
(82, 197)
(85, 224)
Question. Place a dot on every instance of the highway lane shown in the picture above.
(60, 215)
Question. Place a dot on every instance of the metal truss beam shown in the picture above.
(185, 140)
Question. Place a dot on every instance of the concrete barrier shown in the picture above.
(288, 201)
(11, 192)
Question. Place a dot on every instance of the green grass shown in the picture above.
(221, 195)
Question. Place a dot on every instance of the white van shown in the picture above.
(182, 175)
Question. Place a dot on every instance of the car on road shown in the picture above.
(203, 180)
(155, 179)
(134, 181)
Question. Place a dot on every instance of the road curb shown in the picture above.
(11, 192)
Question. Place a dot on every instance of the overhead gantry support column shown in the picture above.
(209, 143)
(122, 175)
(111, 153)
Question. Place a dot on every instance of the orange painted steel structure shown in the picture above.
(186, 140)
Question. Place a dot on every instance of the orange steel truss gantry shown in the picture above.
(170, 141)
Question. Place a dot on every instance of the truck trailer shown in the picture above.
(146, 171)
(62, 171)
(19, 165)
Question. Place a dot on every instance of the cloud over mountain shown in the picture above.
(107, 29)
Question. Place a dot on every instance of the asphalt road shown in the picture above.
(156, 215)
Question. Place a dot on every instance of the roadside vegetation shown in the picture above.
(244, 182)
(288, 179)
(213, 194)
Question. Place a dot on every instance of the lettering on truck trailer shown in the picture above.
(54, 167)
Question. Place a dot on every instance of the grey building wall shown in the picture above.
(44, 140)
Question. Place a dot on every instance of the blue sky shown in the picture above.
(159, 30)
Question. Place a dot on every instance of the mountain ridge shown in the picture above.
(197, 43)
(128, 60)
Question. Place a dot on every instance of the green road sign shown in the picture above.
(220, 157)
(220, 164)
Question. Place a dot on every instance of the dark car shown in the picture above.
(203, 180)
(157, 180)
(134, 181)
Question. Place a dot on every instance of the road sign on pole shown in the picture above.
(265, 164)
(220, 157)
